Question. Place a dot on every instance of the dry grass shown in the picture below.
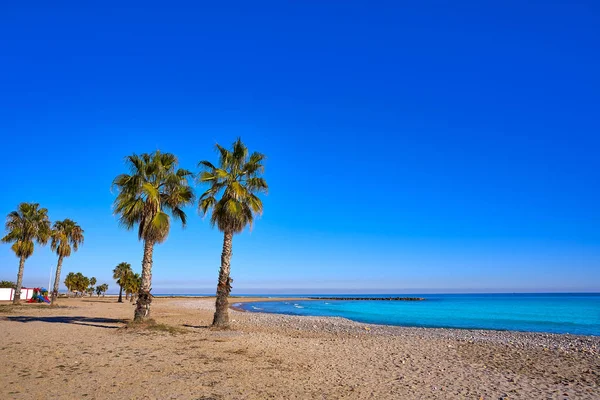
(11, 308)
(153, 326)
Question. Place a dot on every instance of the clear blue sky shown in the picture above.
(411, 145)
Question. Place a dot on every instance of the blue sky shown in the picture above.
(411, 146)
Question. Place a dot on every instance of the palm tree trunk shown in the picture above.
(144, 298)
(120, 294)
(221, 318)
(17, 298)
(56, 280)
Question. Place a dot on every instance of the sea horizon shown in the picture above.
(375, 294)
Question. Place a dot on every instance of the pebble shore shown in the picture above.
(342, 326)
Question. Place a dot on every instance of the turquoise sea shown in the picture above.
(577, 313)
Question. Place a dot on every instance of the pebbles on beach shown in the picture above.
(337, 325)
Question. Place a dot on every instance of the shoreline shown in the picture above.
(277, 356)
(487, 332)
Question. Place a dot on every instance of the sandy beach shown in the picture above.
(82, 350)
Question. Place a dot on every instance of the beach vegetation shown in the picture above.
(66, 236)
(154, 191)
(101, 289)
(90, 289)
(120, 274)
(133, 282)
(28, 224)
(150, 325)
(232, 201)
(77, 283)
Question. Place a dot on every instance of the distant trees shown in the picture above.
(77, 283)
(132, 285)
(66, 235)
(28, 224)
(128, 281)
(70, 281)
(90, 289)
(154, 188)
(101, 289)
(7, 285)
(119, 274)
(233, 202)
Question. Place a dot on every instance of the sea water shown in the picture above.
(554, 313)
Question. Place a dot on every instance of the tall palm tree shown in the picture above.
(66, 234)
(28, 224)
(237, 181)
(120, 274)
(154, 188)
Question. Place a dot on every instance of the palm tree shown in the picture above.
(120, 274)
(81, 283)
(92, 281)
(28, 224)
(237, 181)
(66, 234)
(100, 289)
(154, 187)
(132, 285)
(70, 282)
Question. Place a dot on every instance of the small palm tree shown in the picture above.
(66, 235)
(101, 289)
(93, 281)
(70, 282)
(82, 283)
(120, 274)
(28, 224)
(237, 181)
(154, 188)
(134, 281)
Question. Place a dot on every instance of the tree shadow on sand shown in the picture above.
(87, 321)
(197, 326)
(104, 301)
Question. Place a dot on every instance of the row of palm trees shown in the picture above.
(29, 224)
(156, 190)
(101, 289)
(79, 283)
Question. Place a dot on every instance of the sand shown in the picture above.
(82, 351)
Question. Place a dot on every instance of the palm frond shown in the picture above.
(236, 180)
(155, 185)
(27, 224)
(206, 164)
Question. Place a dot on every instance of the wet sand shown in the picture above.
(81, 350)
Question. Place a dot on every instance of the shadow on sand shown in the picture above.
(196, 326)
(95, 322)
(100, 300)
